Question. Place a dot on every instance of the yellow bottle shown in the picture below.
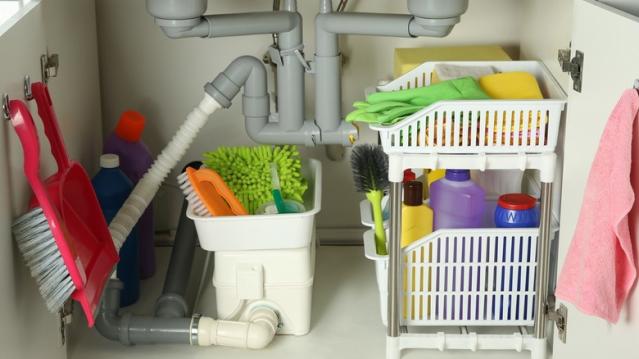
(417, 218)
(431, 176)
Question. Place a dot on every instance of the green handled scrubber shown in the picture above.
(370, 174)
(247, 171)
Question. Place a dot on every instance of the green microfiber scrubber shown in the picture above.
(247, 171)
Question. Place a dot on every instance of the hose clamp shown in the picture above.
(195, 323)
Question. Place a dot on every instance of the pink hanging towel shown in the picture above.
(600, 270)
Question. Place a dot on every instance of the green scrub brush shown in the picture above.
(247, 171)
(370, 174)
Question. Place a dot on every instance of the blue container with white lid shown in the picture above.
(516, 210)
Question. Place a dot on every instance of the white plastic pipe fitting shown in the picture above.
(256, 333)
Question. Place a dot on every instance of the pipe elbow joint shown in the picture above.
(263, 324)
(321, 21)
(256, 333)
(259, 335)
(108, 321)
(108, 326)
(245, 71)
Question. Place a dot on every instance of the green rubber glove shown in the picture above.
(388, 108)
(462, 88)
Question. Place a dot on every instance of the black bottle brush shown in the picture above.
(370, 174)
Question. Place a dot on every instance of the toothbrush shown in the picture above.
(277, 190)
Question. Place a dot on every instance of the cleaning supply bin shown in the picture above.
(266, 260)
(261, 232)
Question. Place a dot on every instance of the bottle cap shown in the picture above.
(130, 126)
(413, 192)
(458, 175)
(516, 201)
(409, 175)
(109, 160)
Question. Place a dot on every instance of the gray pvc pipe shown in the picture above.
(129, 329)
(249, 72)
(328, 25)
(373, 24)
(328, 60)
(226, 25)
(171, 303)
(170, 325)
(290, 77)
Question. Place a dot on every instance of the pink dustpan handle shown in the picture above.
(50, 121)
(25, 129)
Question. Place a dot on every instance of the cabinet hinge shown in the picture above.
(573, 66)
(559, 316)
(49, 66)
(65, 315)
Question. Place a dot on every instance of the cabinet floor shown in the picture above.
(345, 321)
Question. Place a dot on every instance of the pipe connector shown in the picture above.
(245, 71)
(256, 333)
(171, 305)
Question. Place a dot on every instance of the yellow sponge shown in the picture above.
(511, 85)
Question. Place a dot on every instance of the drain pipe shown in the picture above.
(184, 18)
(226, 25)
(171, 325)
(434, 18)
(250, 73)
(256, 333)
(171, 303)
(288, 124)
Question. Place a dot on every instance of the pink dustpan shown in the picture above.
(69, 204)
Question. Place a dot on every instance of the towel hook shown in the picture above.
(5, 107)
(27, 88)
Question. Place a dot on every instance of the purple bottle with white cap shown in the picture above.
(457, 202)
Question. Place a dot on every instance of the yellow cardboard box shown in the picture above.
(407, 59)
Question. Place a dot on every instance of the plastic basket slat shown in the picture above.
(466, 277)
(484, 126)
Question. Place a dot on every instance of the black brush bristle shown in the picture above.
(370, 168)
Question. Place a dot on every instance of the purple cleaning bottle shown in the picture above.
(457, 202)
(135, 159)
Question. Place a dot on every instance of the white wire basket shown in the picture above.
(478, 126)
(464, 277)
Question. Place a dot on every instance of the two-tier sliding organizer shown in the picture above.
(477, 276)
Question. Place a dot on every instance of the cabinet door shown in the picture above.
(609, 39)
(66, 27)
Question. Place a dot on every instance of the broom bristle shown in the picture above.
(370, 168)
(191, 196)
(40, 251)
